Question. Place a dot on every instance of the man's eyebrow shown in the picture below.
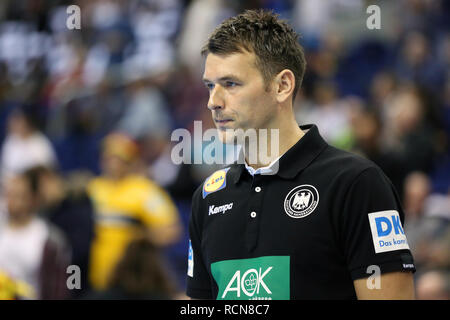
(224, 78)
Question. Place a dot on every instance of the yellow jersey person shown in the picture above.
(127, 205)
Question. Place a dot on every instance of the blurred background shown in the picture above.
(86, 117)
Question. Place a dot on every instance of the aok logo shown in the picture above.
(387, 231)
(250, 283)
(258, 278)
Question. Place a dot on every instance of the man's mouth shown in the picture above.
(222, 122)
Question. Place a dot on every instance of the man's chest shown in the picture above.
(262, 237)
(268, 216)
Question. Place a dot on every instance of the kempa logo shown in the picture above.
(250, 283)
(301, 201)
(220, 209)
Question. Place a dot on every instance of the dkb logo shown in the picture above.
(384, 225)
(387, 231)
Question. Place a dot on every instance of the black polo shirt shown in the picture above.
(326, 218)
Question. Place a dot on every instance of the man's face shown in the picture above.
(51, 187)
(238, 96)
(19, 198)
(114, 166)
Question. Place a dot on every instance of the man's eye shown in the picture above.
(210, 86)
(230, 84)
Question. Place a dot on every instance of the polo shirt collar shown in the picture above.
(297, 158)
(270, 169)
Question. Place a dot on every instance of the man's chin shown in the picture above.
(226, 136)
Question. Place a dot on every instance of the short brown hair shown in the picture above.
(273, 41)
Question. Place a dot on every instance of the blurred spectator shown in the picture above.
(139, 275)
(366, 128)
(147, 112)
(126, 205)
(201, 17)
(33, 253)
(13, 289)
(408, 139)
(416, 63)
(67, 206)
(417, 189)
(396, 136)
(24, 146)
(433, 285)
(428, 232)
(382, 88)
(329, 114)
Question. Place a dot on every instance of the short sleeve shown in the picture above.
(372, 226)
(198, 279)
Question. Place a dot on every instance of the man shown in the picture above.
(127, 206)
(24, 146)
(34, 254)
(70, 209)
(316, 222)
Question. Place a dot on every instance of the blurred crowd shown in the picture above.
(86, 176)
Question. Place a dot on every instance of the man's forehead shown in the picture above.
(17, 183)
(238, 64)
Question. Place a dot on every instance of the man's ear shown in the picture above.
(284, 85)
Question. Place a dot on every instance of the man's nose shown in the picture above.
(216, 100)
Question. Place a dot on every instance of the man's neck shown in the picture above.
(20, 222)
(116, 177)
(288, 136)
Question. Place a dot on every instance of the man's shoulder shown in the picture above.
(345, 163)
